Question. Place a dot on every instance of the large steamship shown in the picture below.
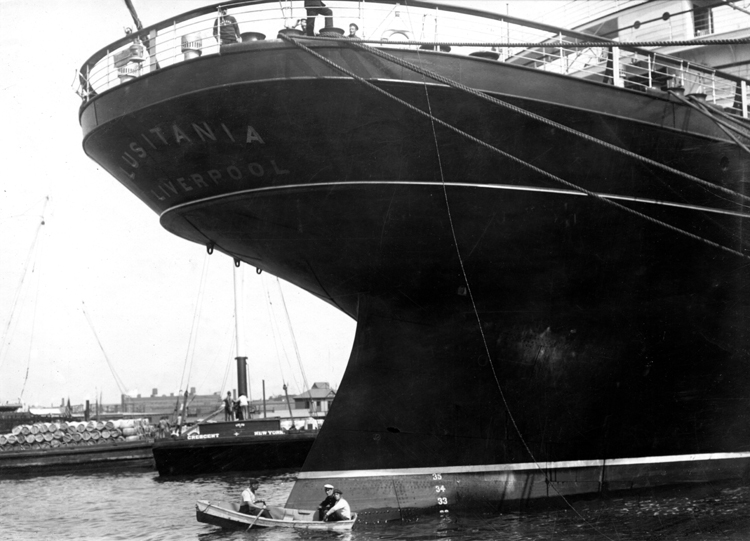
(543, 234)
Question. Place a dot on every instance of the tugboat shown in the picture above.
(253, 445)
(543, 234)
(245, 445)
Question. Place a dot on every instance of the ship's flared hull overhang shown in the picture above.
(509, 325)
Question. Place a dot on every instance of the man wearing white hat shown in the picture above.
(340, 510)
(329, 502)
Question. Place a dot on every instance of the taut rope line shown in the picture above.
(552, 123)
(518, 160)
(549, 44)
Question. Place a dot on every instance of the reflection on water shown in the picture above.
(143, 506)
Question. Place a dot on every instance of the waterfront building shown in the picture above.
(155, 405)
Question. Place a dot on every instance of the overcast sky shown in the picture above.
(103, 251)
(103, 247)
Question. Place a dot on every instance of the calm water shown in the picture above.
(141, 506)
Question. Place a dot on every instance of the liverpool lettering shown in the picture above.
(167, 188)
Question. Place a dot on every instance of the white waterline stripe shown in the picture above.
(530, 466)
(454, 184)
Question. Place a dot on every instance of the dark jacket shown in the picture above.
(326, 504)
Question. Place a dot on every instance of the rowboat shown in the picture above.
(227, 515)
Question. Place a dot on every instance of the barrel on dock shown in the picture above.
(41, 436)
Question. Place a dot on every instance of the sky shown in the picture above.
(100, 299)
(101, 270)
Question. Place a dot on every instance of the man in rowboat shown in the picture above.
(329, 502)
(249, 503)
(340, 510)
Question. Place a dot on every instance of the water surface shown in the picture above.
(140, 505)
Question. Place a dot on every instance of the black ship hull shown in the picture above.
(517, 339)
(246, 454)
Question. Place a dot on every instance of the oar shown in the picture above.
(256, 517)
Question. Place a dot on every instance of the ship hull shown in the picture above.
(246, 454)
(407, 494)
(517, 337)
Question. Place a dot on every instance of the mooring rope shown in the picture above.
(514, 158)
(548, 44)
(480, 325)
(530, 453)
(723, 126)
(434, 120)
(519, 110)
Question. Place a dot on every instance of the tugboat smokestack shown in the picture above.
(241, 376)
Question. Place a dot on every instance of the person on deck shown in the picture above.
(315, 8)
(329, 502)
(249, 501)
(228, 407)
(353, 31)
(340, 510)
(163, 428)
(226, 29)
(244, 406)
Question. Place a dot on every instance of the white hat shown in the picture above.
(328, 486)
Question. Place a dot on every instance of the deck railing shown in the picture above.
(387, 23)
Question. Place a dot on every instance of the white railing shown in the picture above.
(191, 36)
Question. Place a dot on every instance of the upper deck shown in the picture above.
(453, 30)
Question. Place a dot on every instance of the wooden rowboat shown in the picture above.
(227, 515)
